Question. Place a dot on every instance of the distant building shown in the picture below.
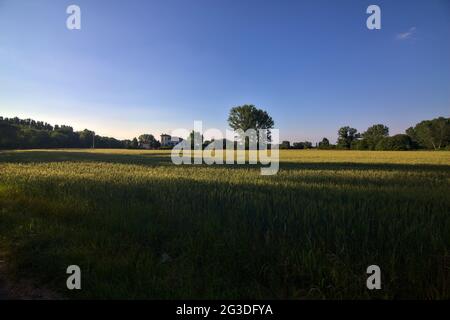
(165, 139)
(169, 141)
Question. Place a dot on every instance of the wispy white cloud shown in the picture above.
(406, 35)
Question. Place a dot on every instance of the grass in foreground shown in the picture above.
(140, 227)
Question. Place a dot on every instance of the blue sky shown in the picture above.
(155, 66)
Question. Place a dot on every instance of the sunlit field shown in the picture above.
(141, 227)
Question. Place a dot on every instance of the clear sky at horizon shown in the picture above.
(154, 66)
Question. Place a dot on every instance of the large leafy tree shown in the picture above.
(431, 134)
(375, 134)
(249, 117)
(346, 136)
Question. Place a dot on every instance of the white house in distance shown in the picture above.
(168, 141)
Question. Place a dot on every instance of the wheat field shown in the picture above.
(140, 227)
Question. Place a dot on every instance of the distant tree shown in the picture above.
(308, 144)
(373, 135)
(65, 129)
(108, 142)
(134, 143)
(8, 135)
(285, 145)
(302, 145)
(59, 140)
(346, 136)
(195, 135)
(395, 143)
(431, 134)
(359, 144)
(195, 138)
(150, 140)
(86, 138)
(39, 139)
(324, 144)
(146, 138)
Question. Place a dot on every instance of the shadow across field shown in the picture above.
(151, 159)
(268, 241)
(297, 235)
(364, 166)
(163, 159)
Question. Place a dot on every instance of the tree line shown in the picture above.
(18, 133)
(432, 134)
(428, 134)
